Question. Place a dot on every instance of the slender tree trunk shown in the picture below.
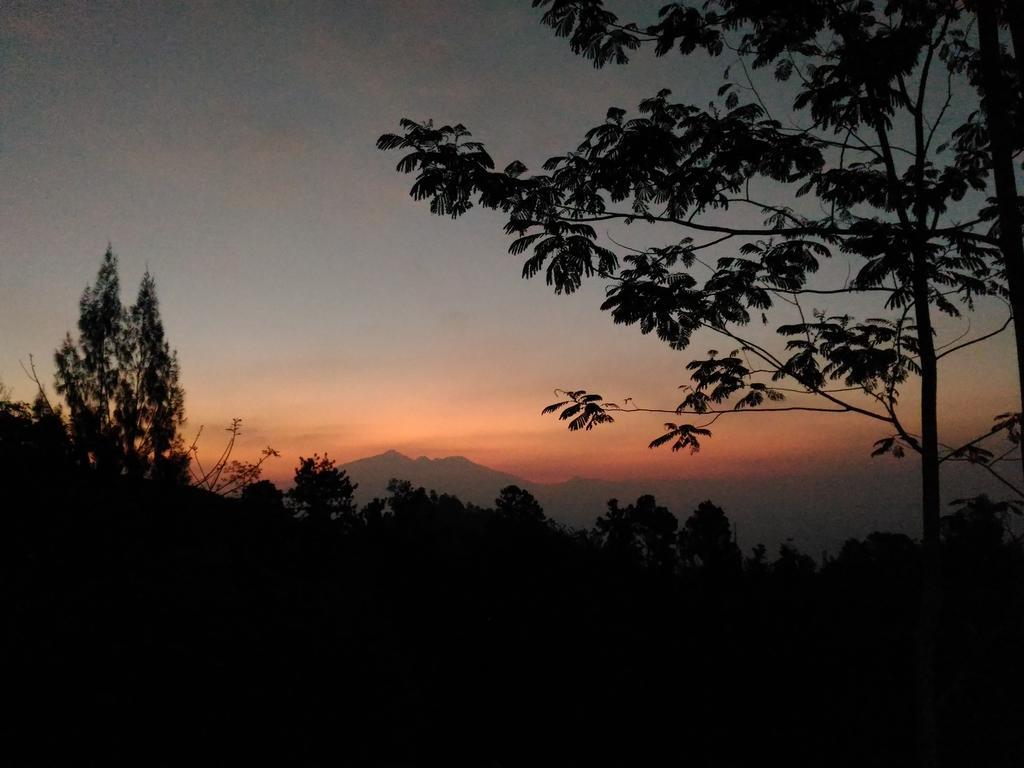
(1011, 241)
(931, 585)
(1015, 18)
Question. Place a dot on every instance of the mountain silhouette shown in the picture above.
(576, 502)
(791, 507)
(811, 509)
(456, 475)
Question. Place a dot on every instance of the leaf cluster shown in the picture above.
(854, 67)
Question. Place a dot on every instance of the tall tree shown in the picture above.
(1003, 107)
(88, 370)
(707, 539)
(151, 402)
(322, 491)
(513, 503)
(860, 173)
(121, 382)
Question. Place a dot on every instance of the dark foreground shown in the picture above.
(154, 625)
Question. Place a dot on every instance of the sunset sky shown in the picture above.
(229, 147)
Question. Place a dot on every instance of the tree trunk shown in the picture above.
(931, 585)
(1015, 18)
(1001, 143)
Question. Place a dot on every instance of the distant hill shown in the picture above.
(817, 510)
(576, 502)
(456, 475)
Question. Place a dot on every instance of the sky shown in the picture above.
(229, 148)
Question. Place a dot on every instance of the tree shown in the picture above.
(121, 382)
(33, 439)
(263, 494)
(644, 531)
(707, 540)
(793, 564)
(993, 72)
(862, 173)
(322, 491)
(519, 506)
(151, 402)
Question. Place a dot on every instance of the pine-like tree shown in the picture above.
(121, 382)
(151, 401)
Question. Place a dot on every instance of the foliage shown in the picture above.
(322, 491)
(707, 539)
(263, 494)
(836, 183)
(849, 163)
(519, 506)
(33, 437)
(144, 602)
(120, 381)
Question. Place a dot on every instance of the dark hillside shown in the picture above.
(150, 624)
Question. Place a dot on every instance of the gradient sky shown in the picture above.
(229, 147)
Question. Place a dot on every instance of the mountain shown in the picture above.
(576, 502)
(818, 510)
(456, 475)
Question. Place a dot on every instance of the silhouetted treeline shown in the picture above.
(151, 623)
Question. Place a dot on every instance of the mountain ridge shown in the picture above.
(814, 511)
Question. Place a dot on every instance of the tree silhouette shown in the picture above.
(707, 539)
(429, 600)
(993, 71)
(867, 170)
(644, 532)
(322, 491)
(263, 494)
(517, 505)
(150, 400)
(121, 382)
(33, 437)
(792, 563)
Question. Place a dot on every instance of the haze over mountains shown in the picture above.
(817, 512)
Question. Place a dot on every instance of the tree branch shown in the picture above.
(987, 336)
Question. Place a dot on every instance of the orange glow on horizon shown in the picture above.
(540, 449)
